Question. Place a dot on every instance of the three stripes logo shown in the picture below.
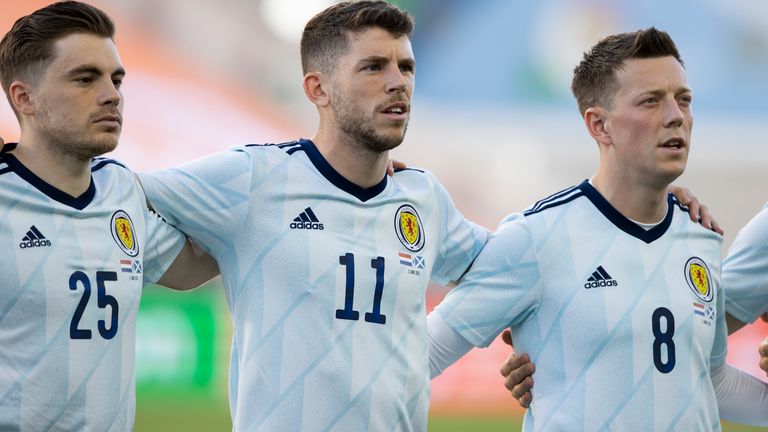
(307, 220)
(34, 238)
(600, 278)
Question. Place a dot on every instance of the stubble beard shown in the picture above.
(354, 124)
(69, 141)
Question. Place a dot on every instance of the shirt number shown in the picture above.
(663, 339)
(349, 313)
(103, 300)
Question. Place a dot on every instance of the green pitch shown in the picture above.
(195, 416)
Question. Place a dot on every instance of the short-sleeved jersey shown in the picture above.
(745, 271)
(71, 276)
(622, 323)
(325, 282)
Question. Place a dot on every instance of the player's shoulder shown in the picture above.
(99, 163)
(106, 167)
(758, 225)
(413, 174)
(414, 179)
(263, 156)
(7, 161)
(689, 225)
(558, 199)
(285, 149)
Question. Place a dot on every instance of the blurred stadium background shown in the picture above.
(493, 118)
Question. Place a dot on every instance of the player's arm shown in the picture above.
(446, 345)
(207, 199)
(191, 268)
(745, 273)
(501, 289)
(460, 240)
(741, 398)
(697, 211)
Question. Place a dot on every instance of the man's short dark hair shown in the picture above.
(27, 48)
(326, 35)
(594, 79)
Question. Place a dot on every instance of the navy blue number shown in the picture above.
(74, 332)
(375, 315)
(102, 299)
(663, 338)
(348, 313)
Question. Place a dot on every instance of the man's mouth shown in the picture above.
(397, 109)
(110, 118)
(673, 143)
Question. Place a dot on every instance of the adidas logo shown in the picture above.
(34, 238)
(306, 220)
(600, 278)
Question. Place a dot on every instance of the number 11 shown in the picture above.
(348, 313)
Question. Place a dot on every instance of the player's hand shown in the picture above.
(393, 164)
(517, 371)
(2, 143)
(698, 212)
(763, 350)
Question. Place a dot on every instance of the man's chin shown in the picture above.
(392, 139)
(386, 144)
(103, 145)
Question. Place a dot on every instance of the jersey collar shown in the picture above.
(622, 222)
(52, 192)
(333, 176)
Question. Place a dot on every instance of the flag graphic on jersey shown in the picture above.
(307, 220)
(125, 266)
(705, 311)
(34, 238)
(600, 278)
(409, 260)
(698, 309)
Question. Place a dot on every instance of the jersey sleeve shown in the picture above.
(163, 244)
(206, 199)
(461, 240)
(500, 290)
(745, 270)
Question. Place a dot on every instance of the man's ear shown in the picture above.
(316, 86)
(598, 125)
(19, 93)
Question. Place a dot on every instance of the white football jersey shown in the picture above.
(745, 271)
(71, 275)
(325, 282)
(622, 323)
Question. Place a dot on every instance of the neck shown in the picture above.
(641, 202)
(65, 172)
(355, 163)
